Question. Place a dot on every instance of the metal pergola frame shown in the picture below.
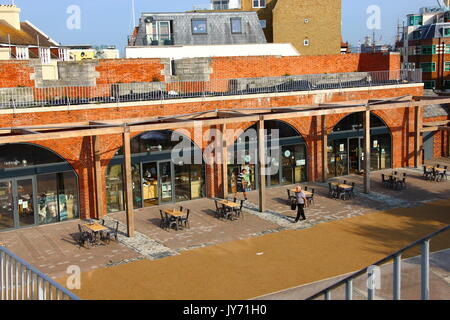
(223, 117)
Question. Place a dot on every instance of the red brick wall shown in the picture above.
(440, 139)
(270, 66)
(15, 73)
(129, 70)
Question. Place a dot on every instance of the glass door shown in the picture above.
(17, 203)
(165, 182)
(25, 202)
(6, 205)
(150, 184)
(354, 155)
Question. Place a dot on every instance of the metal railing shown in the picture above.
(396, 286)
(21, 281)
(26, 97)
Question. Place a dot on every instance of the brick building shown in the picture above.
(72, 147)
(312, 27)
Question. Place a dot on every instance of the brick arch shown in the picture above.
(333, 120)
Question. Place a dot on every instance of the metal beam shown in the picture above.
(128, 182)
(261, 165)
(367, 151)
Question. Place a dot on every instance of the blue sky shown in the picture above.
(108, 22)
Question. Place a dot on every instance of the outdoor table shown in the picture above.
(96, 229)
(341, 185)
(229, 204)
(174, 213)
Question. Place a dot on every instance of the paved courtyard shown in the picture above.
(53, 248)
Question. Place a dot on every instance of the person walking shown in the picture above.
(241, 183)
(301, 203)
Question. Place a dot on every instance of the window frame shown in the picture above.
(259, 4)
(444, 32)
(432, 64)
(425, 82)
(240, 25)
(432, 47)
(196, 32)
(446, 63)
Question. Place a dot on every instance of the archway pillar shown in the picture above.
(366, 151)
(418, 136)
(224, 164)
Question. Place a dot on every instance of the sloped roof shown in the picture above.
(28, 35)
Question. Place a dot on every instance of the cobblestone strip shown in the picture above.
(147, 247)
(277, 218)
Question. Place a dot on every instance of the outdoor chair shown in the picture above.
(306, 188)
(219, 210)
(311, 199)
(85, 236)
(351, 192)
(185, 220)
(438, 165)
(238, 211)
(109, 234)
(384, 181)
(289, 196)
(171, 221)
(344, 194)
(164, 223)
(440, 175)
(331, 191)
(427, 174)
(181, 209)
(345, 182)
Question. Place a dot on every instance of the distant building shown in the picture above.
(428, 45)
(82, 52)
(197, 28)
(24, 41)
(312, 27)
(370, 45)
(201, 34)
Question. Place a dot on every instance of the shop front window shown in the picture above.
(114, 189)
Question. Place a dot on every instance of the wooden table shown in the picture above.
(95, 227)
(229, 204)
(174, 213)
(341, 185)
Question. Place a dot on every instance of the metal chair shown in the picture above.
(185, 220)
(331, 191)
(384, 181)
(311, 199)
(109, 234)
(219, 210)
(238, 211)
(84, 236)
(164, 223)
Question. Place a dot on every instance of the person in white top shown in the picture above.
(301, 203)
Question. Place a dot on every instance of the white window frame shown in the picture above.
(261, 3)
(63, 54)
(22, 53)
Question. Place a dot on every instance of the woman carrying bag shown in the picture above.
(300, 203)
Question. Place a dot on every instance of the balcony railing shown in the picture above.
(369, 272)
(26, 97)
(21, 281)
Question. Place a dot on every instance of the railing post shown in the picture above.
(425, 269)
(349, 290)
(370, 284)
(397, 277)
(328, 295)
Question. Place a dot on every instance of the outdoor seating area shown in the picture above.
(394, 180)
(341, 190)
(95, 233)
(436, 173)
(229, 210)
(175, 219)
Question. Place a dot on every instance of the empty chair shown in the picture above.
(384, 181)
(84, 236)
(331, 191)
(181, 209)
(401, 184)
(238, 211)
(289, 195)
(109, 234)
(438, 165)
(426, 173)
(305, 188)
(185, 220)
(219, 210)
(345, 182)
(311, 199)
(163, 224)
(440, 175)
(351, 192)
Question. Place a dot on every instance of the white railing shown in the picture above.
(369, 272)
(26, 97)
(21, 281)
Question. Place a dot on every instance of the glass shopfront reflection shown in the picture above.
(287, 155)
(157, 179)
(346, 146)
(36, 187)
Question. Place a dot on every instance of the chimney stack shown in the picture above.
(11, 14)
